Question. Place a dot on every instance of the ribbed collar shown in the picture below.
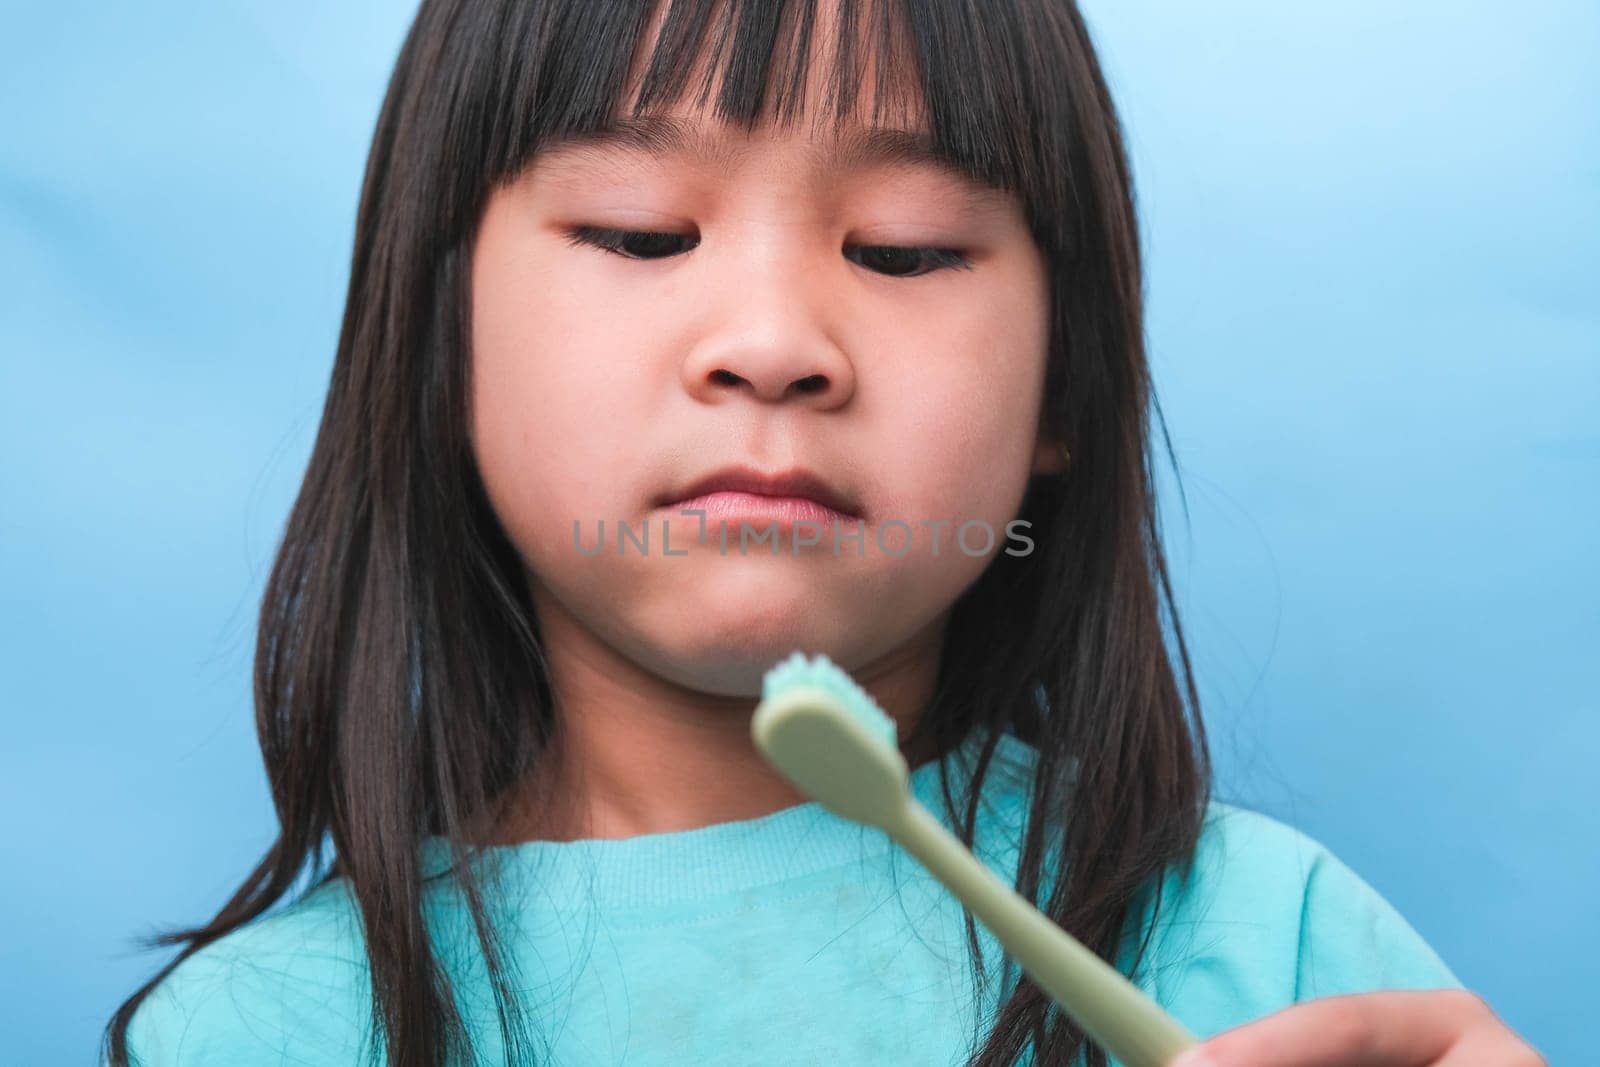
(712, 861)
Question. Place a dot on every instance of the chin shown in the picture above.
(727, 645)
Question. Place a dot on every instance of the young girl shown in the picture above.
(630, 282)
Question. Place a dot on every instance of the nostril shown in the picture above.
(811, 383)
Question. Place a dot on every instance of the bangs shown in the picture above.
(760, 58)
(959, 72)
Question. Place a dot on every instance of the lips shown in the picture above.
(794, 484)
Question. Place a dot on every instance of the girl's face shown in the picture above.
(773, 327)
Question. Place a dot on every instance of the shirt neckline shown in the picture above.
(682, 866)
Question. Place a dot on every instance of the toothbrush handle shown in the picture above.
(1108, 1007)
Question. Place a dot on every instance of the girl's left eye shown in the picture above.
(894, 260)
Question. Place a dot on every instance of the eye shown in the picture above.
(633, 244)
(896, 261)
(908, 262)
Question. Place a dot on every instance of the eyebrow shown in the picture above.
(858, 148)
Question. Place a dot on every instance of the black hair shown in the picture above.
(400, 686)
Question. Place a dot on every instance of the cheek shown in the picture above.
(964, 422)
(550, 412)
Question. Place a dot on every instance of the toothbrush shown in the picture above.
(825, 734)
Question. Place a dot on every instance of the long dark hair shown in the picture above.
(400, 686)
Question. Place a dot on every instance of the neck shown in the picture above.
(636, 753)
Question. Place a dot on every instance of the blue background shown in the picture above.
(1373, 234)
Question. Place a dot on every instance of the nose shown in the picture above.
(772, 346)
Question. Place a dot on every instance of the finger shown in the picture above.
(1411, 1028)
(1491, 1046)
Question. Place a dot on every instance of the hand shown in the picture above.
(1429, 1028)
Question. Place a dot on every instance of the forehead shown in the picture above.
(849, 147)
(833, 86)
(719, 148)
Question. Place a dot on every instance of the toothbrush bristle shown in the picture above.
(823, 673)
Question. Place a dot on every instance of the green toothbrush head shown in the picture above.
(826, 734)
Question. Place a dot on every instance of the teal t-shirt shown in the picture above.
(794, 938)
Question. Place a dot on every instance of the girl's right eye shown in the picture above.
(633, 244)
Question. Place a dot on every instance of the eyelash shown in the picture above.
(612, 240)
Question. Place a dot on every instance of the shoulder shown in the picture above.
(1267, 916)
(289, 987)
(1247, 851)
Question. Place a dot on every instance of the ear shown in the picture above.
(1047, 457)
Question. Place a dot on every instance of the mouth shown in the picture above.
(796, 495)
